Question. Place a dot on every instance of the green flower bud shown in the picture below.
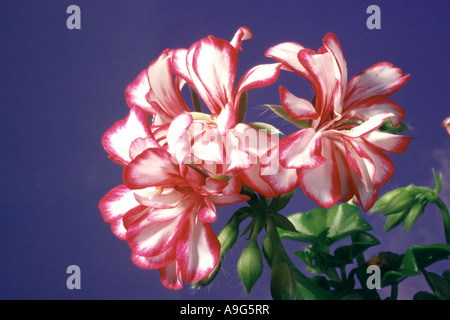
(282, 282)
(384, 200)
(394, 220)
(267, 249)
(414, 213)
(250, 265)
(401, 202)
(228, 236)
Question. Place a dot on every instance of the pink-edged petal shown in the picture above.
(178, 138)
(381, 79)
(161, 200)
(141, 144)
(297, 108)
(366, 127)
(207, 144)
(387, 142)
(259, 76)
(383, 166)
(117, 202)
(322, 184)
(162, 84)
(136, 93)
(148, 238)
(118, 139)
(324, 77)
(302, 149)
(227, 118)
(345, 177)
(366, 194)
(287, 54)
(154, 262)
(153, 167)
(227, 199)
(281, 180)
(365, 109)
(198, 250)
(242, 34)
(207, 211)
(237, 153)
(331, 42)
(171, 277)
(251, 178)
(214, 64)
(213, 186)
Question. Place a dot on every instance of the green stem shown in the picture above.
(394, 291)
(278, 249)
(445, 217)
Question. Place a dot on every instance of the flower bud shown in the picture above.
(228, 236)
(282, 282)
(401, 202)
(414, 213)
(250, 265)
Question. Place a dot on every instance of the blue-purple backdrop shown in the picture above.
(61, 89)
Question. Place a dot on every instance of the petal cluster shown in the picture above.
(340, 155)
(183, 163)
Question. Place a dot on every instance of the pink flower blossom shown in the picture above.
(446, 124)
(339, 155)
(163, 210)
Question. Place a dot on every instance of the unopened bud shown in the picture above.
(228, 236)
(414, 213)
(401, 202)
(282, 282)
(250, 265)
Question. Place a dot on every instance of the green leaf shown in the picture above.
(338, 222)
(360, 243)
(279, 110)
(388, 127)
(242, 106)
(250, 265)
(270, 129)
(304, 294)
(414, 260)
(439, 285)
(423, 295)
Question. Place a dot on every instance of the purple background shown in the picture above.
(61, 89)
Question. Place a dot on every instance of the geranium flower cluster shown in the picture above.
(184, 162)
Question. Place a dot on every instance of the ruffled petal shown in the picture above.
(387, 142)
(322, 183)
(365, 109)
(214, 63)
(154, 262)
(118, 139)
(178, 138)
(259, 76)
(171, 277)
(165, 92)
(381, 79)
(287, 54)
(302, 149)
(136, 92)
(198, 250)
(242, 34)
(148, 238)
(117, 202)
(153, 167)
(297, 108)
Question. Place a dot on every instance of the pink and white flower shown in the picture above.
(446, 124)
(339, 155)
(163, 210)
